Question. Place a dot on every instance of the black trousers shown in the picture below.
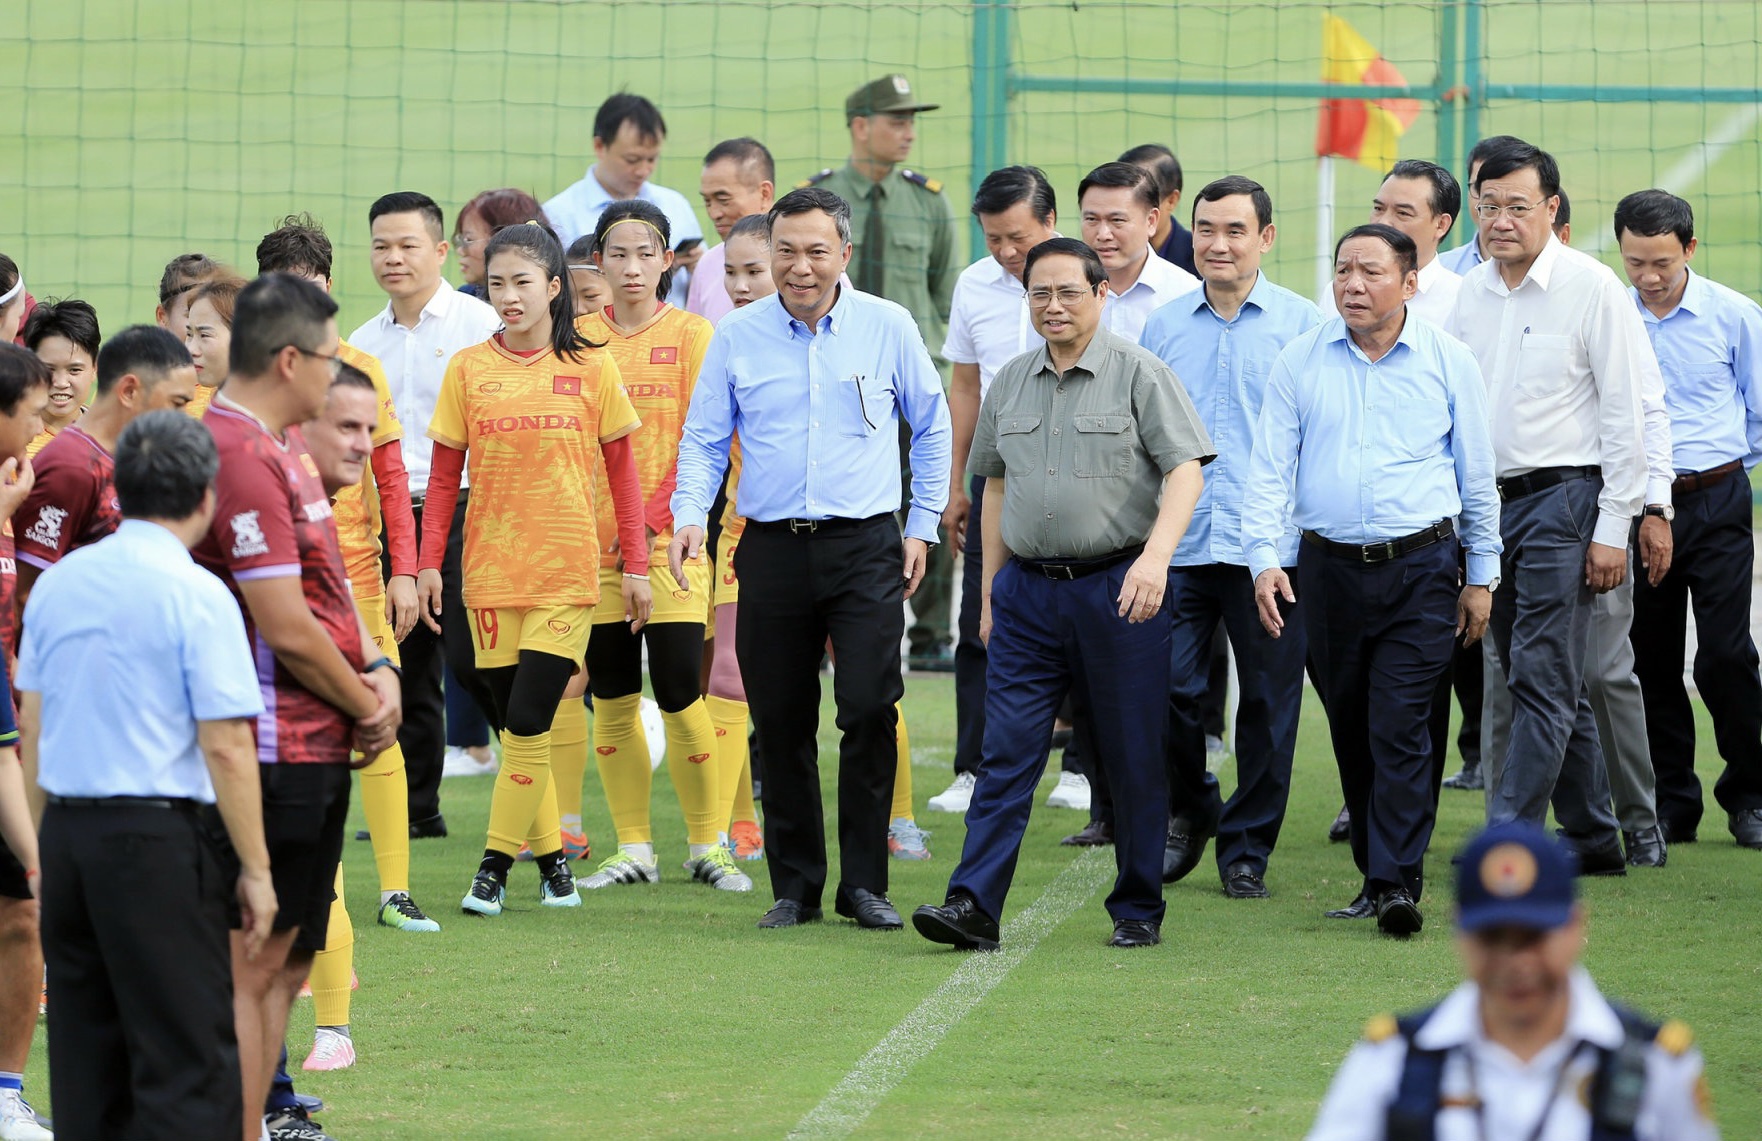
(1711, 570)
(423, 735)
(796, 591)
(141, 1040)
(1466, 678)
(1380, 637)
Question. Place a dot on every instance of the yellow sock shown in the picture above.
(691, 762)
(520, 787)
(545, 836)
(333, 967)
(902, 773)
(744, 808)
(385, 798)
(569, 758)
(733, 760)
(623, 754)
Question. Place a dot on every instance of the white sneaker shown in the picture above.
(330, 1051)
(956, 797)
(1072, 792)
(17, 1122)
(620, 868)
(457, 762)
(716, 867)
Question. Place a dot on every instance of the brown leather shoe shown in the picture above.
(1095, 834)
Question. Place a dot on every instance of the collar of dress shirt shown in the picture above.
(1337, 331)
(437, 306)
(995, 274)
(1431, 273)
(1457, 1020)
(1256, 296)
(1541, 270)
(1694, 297)
(1158, 273)
(833, 318)
(1090, 362)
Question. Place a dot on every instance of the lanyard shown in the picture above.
(1480, 1103)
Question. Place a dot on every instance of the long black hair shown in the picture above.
(636, 210)
(537, 244)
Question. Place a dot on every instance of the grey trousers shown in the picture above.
(1615, 702)
(1542, 627)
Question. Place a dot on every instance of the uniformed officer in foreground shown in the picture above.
(1076, 441)
(903, 237)
(1527, 1048)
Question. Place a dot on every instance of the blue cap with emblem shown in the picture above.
(1514, 875)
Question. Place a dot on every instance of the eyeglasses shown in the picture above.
(1516, 211)
(335, 362)
(1041, 298)
(460, 241)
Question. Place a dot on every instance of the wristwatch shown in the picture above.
(1662, 511)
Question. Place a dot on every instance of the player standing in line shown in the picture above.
(16, 301)
(535, 411)
(592, 293)
(659, 350)
(64, 334)
(177, 284)
(208, 335)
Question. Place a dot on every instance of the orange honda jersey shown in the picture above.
(733, 523)
(659, 363)
(531, 428)
(357, 508)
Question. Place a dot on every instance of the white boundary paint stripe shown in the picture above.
(1693, 167)
(875, 1075)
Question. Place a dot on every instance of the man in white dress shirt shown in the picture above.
(1564, 356)
(1120, 204)
(414, 336)
(1423, 201)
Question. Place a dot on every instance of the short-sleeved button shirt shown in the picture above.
(1083, 454)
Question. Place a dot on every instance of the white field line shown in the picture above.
(1693, 167)
(875, 1075)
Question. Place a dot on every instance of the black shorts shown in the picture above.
(13, 885)
(304, 810)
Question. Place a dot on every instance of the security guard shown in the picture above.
(903, 231)
(1527, 1048)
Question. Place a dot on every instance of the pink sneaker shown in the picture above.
(330, 1051)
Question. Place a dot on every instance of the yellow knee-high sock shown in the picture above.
(623, 755)
(691, 762)
(902, 773)
(744, 808)
(521, 785)
(385, 798)
(733, 760)
(569, 759)
(333, 967)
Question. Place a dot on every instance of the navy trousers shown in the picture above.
(1050, 638)
(1381, 637)
(1201, 598)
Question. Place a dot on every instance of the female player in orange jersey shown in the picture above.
(536, 411)
(659, 350)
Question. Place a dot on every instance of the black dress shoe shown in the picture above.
(1183, 850)
(1677, 833)
(1469, 779)
(1645, 848)
(1135, 933)
(1095, 834)
(1241, 881)
(1596, 857)
(1746, 828)
(433, 828)
(1360, 908)
(1397, 914)
(1340, 830)
(870, 909)
(789, 913)
(958, 923)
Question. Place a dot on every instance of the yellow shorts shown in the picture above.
(372, 611)
(727, 583)
(671, 604)
(499, 635)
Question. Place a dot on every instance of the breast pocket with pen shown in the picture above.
(865, 405)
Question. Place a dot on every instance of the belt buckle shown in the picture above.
(797, 526)
(1377, 552)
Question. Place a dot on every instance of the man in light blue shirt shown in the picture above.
(1222, 340)
(1708, 340)
(1373, 441)
(816, 380)
(138, 707)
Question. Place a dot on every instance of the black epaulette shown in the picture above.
(815, 180)
(917, 179)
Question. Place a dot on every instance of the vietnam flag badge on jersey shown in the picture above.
(566, 385)
(668, 354)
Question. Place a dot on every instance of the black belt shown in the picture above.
(1701, 480)
(1386, 550)
(1068, 569)
(1530, 482)
(814, 526)
(179, 802)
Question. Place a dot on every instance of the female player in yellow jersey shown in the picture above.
(208, 336)
(659, 350)
(536, 411)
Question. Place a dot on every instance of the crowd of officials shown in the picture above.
(1492, 472)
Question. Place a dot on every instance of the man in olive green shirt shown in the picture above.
(1091, 453)
(903, 234)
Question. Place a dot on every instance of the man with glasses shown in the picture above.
(1564, 354)
(1077, 441)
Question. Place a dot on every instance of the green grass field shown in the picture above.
(662, 1011)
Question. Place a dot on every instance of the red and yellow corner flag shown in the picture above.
(1367, 130)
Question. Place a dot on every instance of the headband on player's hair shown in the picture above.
(594, 268)
(17, 288)
(641, 222)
